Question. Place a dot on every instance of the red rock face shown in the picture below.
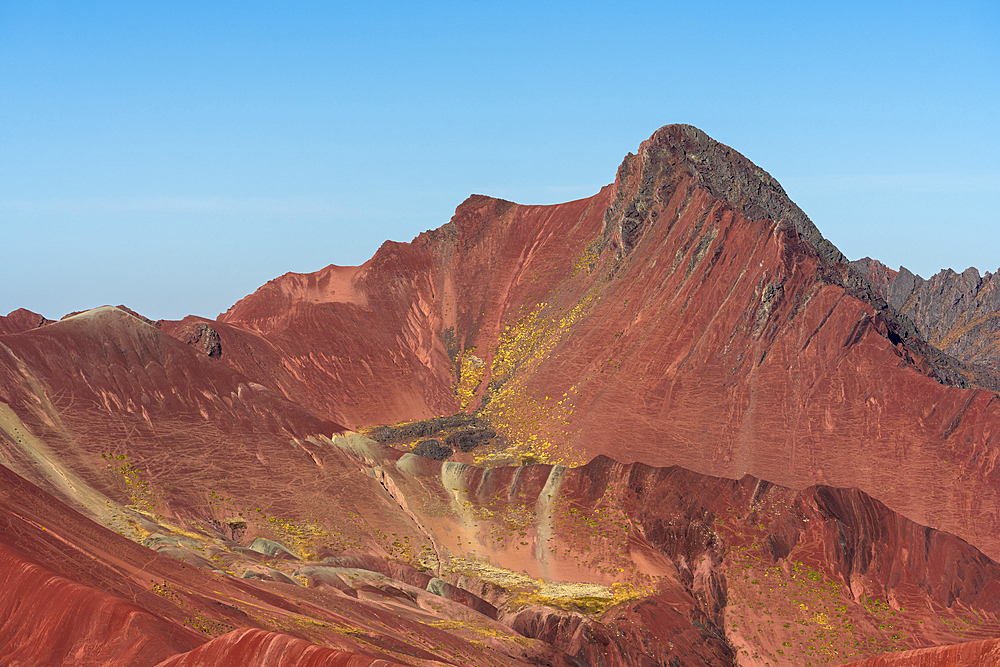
(70, 593)
(21, 320)
(378, 343)
(687, 315)
(42, 614)
(259, 648)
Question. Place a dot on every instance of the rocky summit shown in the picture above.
(669, 424)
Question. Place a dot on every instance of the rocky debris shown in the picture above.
(460, 432)
(433, 449)
(468, 439)
(236, 528)
(770, 297)
(203, 338)
(451, 345)
(426, 428)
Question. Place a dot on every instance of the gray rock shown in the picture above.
(433, 449)
(204, 338)
(271, 549)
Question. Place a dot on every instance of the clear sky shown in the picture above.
(176, 156)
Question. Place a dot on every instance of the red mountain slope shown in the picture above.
(259, 648)
(984, 653)
(21, 320)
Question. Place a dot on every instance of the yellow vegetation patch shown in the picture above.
(586, 260)
(535, 427)
(518, 516)
(139, 491)
(304, 538)
(472, 369)
(579, 596)
(584, 598)
(480, 629)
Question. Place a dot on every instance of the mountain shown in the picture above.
(690, 314)
(669, 424)
(959, 313)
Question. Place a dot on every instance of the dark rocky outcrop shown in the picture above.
(468, 439)
(433, 449)
(959, 313)
(675, 151)
(426, 428)
(203, 338)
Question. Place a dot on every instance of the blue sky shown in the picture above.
(174, 157)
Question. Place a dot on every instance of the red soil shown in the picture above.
(259, 648)
(984, 653)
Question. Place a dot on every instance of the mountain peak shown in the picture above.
(677, 151)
